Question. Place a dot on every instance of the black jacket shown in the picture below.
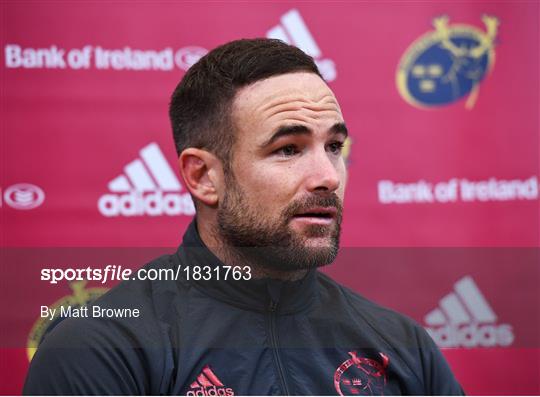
(262, 337)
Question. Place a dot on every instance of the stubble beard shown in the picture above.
(273, 245)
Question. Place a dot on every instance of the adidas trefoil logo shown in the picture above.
(465, 319)
(208, 384)
(293, 30)
(148, 187)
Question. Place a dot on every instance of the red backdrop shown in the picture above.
(441, 212)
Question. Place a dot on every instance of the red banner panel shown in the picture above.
(441, 215)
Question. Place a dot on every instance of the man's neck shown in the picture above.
(230, 256)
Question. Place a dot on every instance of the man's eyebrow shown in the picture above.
(340, 128)
(298, 129)
(287, 130)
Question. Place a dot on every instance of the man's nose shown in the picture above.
(322, 172)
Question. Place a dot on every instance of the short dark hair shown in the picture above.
(200, 108)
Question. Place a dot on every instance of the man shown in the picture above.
(259, 136)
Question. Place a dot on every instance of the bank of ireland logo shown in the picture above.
(361, 376)
(81, 296)
(447, 64)
(188, 56)
(24, 196)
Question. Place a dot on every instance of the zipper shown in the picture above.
(275, 347)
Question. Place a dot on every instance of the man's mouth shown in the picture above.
(318, 215)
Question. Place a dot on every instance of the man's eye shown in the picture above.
(289, 150)
(336, 147)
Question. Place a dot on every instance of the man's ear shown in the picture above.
(203, 173)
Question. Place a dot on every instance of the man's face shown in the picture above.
(282, 202)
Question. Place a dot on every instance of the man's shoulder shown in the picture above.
(413, 350)
(120, 342)
(396, 328)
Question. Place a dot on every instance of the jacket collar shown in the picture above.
(288, 296)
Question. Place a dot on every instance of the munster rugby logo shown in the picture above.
(361, 376)
(81, 296)
(447, 64)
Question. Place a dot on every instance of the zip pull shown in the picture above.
(273, 306)
(274, 291)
